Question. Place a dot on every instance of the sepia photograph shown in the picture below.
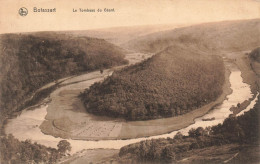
(129, 82)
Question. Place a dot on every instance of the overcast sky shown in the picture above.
(127, 13)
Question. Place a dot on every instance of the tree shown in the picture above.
(178, 136)
(64, 146)
(192, 132)
(197, 132)
(168, 154)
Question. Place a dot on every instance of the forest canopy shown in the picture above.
(15, 151)
(173, 82)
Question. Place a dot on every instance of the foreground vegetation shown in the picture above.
(171, 83)
(15, 151)
(242, 130)
(28, 61)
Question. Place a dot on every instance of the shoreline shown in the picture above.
(23, 127)
(77, 156)
(139, 129)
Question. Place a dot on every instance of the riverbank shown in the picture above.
(26, 126)
(66, 116)
(226, 154)
(243, 62)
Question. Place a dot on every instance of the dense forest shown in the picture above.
(28, 61)
(15, 151)
(242, 130)
(173, 82)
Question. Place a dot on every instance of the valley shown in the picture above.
(62, 114)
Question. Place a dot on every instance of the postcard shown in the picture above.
(152, 81)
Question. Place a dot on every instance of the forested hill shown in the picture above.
(170, 83)
(237, 35)
(239, 136)
(28, 61)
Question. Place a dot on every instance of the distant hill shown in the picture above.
(173, 82)
(28, 61)
(120, 35)
(221, 36)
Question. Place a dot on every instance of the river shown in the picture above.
(26, 126)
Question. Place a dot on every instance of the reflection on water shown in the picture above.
(26, 126)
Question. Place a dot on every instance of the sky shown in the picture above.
(127, 13)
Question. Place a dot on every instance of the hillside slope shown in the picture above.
(170, 83)
(28, 61)
(220, 36)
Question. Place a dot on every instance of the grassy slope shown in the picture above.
(28, 61)
(171, 83)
